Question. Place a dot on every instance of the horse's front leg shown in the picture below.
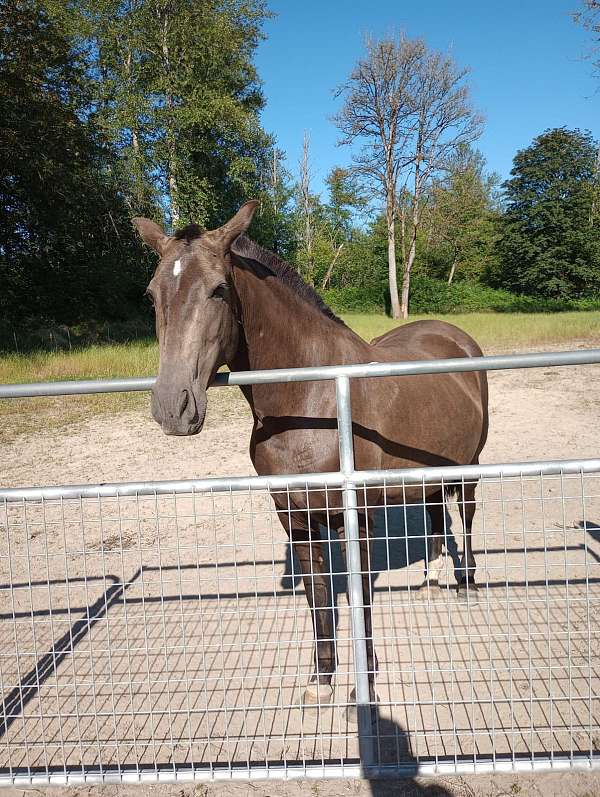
(309, 553)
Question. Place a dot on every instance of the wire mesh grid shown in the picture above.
(153, 633)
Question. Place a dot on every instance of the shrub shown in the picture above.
(429, 295)
(353, 299)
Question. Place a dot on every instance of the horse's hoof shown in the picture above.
(351, 711)
(467, 590)
(316, 695)
(423, 589)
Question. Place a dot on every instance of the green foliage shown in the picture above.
(549, 242)
(178, 97)
(460, 226)
(67, 249)
(353, 300)
(433, 296)
(273, 225)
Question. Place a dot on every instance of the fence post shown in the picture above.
(354, 568)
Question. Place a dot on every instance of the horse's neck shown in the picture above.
(281, 330)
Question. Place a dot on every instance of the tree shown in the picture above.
(550, 237)
(67, 249)
(444, 124)
(305, 205)
(345, 198)
(274, 222)
(461, 216)
(178, 96)
(409, 109)
(378, 113)
(589, 16)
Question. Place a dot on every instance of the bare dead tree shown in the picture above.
(588, 15)
(446, 123)
(409, 109)
(378, 113)
(305, 206)
(337, 251)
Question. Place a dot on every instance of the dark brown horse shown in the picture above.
(220, 298)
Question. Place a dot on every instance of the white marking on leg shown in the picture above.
(177, 268)
(434, 570)
(435, 562)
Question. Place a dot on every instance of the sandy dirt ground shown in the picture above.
(174, 630)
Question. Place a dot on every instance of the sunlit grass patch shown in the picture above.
(497, 330)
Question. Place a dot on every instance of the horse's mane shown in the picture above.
(248, 249)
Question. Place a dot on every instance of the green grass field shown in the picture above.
(140, 358)
(498, 330)
(495, 332)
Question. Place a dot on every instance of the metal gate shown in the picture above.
(158, 631)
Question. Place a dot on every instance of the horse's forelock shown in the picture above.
(189, 233)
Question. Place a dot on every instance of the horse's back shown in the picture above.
(426, 340)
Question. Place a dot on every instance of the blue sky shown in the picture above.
(526, 57)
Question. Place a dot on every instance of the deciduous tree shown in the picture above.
(408, 108)
(550, 240)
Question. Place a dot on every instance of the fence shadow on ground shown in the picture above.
(393, 740)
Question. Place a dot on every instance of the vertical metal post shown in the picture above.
(354, 567)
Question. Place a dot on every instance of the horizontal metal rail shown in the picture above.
(442, 475)
(481, 766)
(317, 373)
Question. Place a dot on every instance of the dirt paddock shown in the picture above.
(174, 630)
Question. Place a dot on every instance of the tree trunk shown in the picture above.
(170, 137)
(392, 273)
(407, 271)
(327, 276)
(138, 172)
(413, 239)
(452, 270)
(173, 197)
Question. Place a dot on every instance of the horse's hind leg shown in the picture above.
(366, 550)
(307, 545)
(433, 561)
(466, 575)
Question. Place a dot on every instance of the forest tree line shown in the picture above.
(117, 108)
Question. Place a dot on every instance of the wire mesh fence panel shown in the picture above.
(506, 669)
(152, 632)
(144, 632)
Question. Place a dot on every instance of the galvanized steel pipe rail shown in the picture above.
(316, 373)
(347, 478)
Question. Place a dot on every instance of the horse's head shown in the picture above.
(196, 316)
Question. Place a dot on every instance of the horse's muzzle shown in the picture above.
(179, 412)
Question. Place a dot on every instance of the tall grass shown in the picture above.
(498, 330)
(140, 358)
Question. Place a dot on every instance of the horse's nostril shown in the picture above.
(183, 402)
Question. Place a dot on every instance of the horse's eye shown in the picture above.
(220, 292)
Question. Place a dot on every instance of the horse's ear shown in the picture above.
(238, 224)
(151, 233)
